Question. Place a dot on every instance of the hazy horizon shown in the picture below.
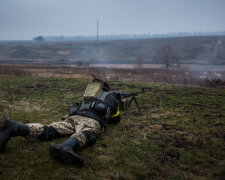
(25, 19)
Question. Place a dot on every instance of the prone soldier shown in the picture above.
(85, 121)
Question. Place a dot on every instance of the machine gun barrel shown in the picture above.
(133, 95)
(125, 95)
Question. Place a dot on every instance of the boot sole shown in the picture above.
(67, 157)
(3, 123)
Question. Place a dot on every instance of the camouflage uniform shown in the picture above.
(73, 126)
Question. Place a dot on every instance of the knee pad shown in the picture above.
(48, 134)
(90, 137)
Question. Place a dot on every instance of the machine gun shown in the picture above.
(122, 96)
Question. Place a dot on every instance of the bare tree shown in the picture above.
(165, 55)
(214, 52)
(209, 54)
(177, 59)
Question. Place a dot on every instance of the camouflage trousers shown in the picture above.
(73, 126)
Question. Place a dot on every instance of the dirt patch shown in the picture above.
(178, 140)
(36, 86)
(162, 114)
(155, 126)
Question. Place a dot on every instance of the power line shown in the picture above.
(97, 30)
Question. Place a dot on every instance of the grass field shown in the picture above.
(180, 134)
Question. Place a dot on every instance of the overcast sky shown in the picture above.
(25, 19)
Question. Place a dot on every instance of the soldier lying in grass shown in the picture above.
(83, 124)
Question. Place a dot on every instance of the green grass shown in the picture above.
(180, 134)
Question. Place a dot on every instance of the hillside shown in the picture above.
(190, 49)
(180, 134)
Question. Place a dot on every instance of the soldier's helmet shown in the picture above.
(95, 88)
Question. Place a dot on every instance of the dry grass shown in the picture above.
(172, 76)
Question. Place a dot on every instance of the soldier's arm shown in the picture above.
(115, 116)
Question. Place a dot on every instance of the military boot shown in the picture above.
(10, 129)
(65, 152)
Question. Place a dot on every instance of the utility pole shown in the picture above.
(97, 30)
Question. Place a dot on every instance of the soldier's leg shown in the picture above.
(65, 127)
(53, 130)
(41, 132)
(87, 129)
(65, 151)
(10, 129)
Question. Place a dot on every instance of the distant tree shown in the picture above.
(209, 54)
(139, 62)
(214, 52)
(165, 55)
(39, 39)
(177, 59)
(79, 63)
(83, 63)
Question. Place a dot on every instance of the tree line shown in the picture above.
(127, 36)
